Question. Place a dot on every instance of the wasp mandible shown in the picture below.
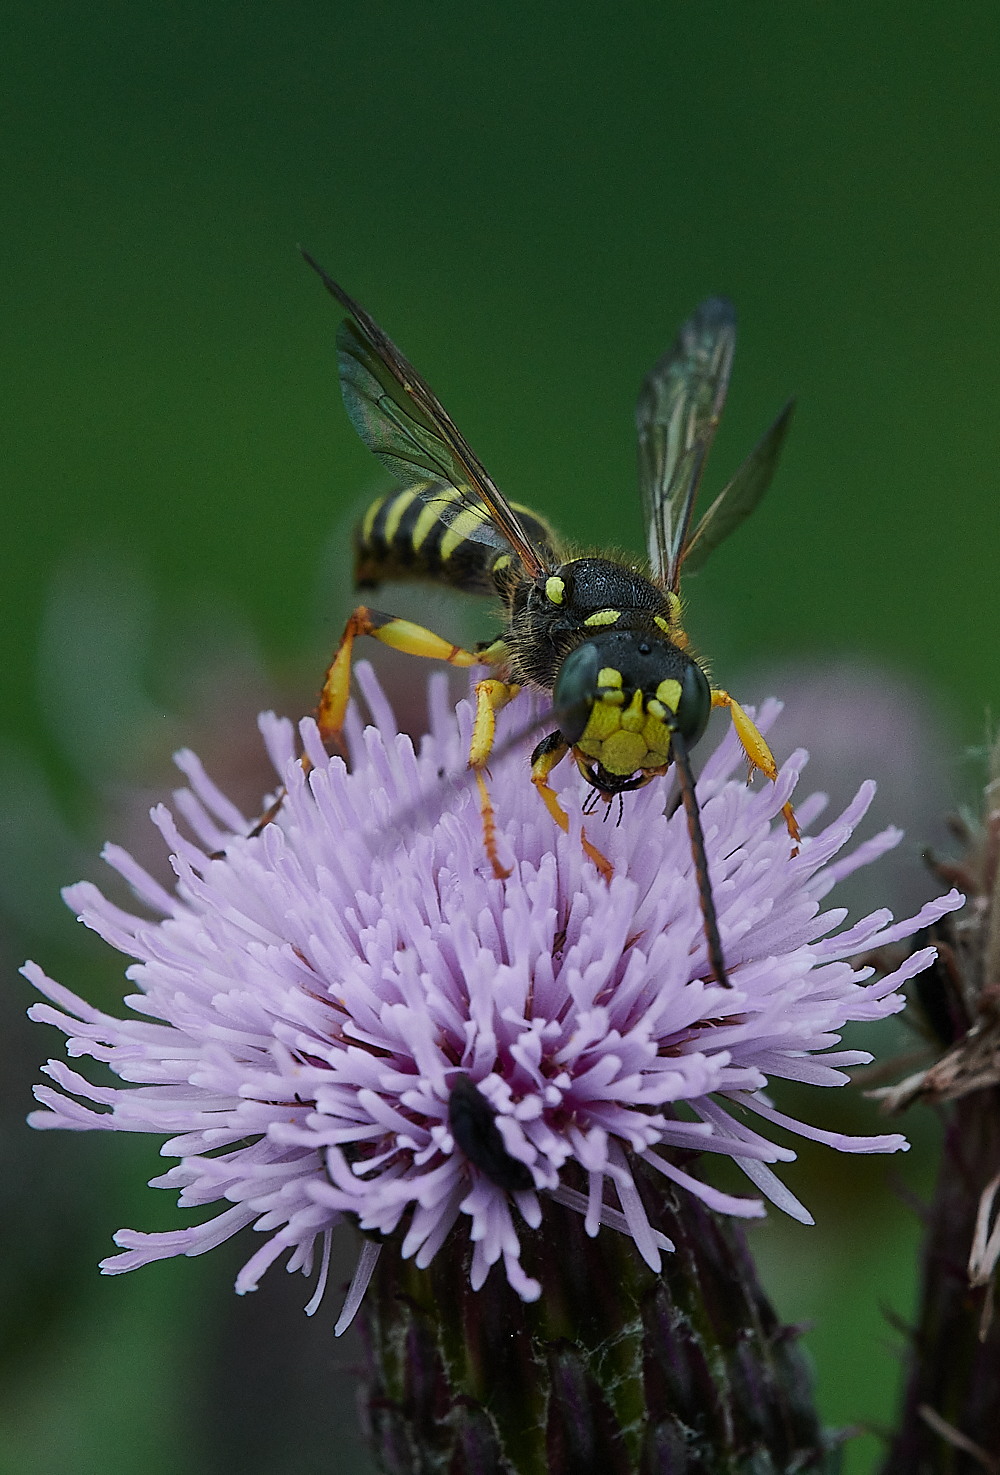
(602, 637)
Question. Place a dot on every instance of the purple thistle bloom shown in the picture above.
(308, 1002)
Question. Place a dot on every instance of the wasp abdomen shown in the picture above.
(437, 532)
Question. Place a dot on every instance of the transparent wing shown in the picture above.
(401, 437)
(677, 414)
(738, 499)
(399, 417)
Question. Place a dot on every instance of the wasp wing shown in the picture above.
(402, 438)
(738, 499)
(676, 417)
(402, 421)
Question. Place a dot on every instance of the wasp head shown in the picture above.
(621, 696)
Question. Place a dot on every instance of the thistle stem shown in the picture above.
(615, 1370)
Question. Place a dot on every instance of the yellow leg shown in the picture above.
(552, 751)
(489, 828)
(491, 697)
(403, 635)
(759, 755)
(415, 640)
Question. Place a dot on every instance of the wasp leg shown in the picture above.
(550, 751)
(759, 755)
(403, 635)
(491, 697)
(272, 812)
(415, 640)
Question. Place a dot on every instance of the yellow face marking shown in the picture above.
(603, 617)
(604, 719)
(625, 741)
(634, 718)
(464, 525)
(395, 516)
(431, 514)
(656, 737)
(623, 752)
(656, 709)
(368, 521)
(555, 589)
(608, 676)
(669, 693)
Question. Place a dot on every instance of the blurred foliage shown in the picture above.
(530, 199)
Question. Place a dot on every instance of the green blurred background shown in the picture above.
(530, 199)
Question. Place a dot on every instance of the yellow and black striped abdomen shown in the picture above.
(435, 532)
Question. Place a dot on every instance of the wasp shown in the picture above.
(603, 637)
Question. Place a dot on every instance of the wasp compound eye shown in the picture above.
(473, 1126)
(575, 689)
(695, 705)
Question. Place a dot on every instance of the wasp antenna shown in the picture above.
(682, 763)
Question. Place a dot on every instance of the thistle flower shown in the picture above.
(309, 998)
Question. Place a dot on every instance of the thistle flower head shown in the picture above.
(308, 999)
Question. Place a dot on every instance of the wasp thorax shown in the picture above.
(620, 697)
(593, 584)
